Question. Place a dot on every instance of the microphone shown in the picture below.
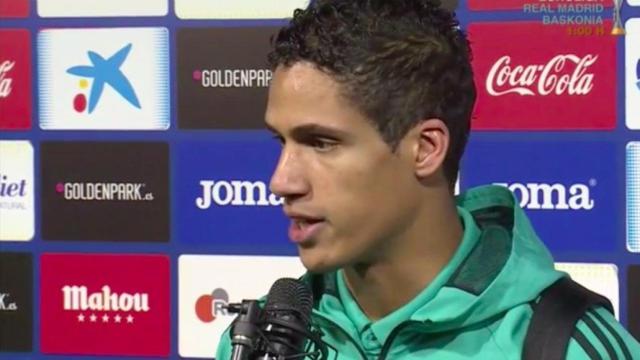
(244, 331)
(278, 331)
(286, 318)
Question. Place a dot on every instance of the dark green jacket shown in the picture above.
(478, 307)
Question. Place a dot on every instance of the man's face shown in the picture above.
(348, 195)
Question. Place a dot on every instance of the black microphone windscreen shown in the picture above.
(291, 294)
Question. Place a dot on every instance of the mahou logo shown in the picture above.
(545, 89)
(78, 298)
(105, 304)
(15, 79)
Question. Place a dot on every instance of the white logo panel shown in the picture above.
(104, 79)
(633, 196)
(632, 71)
(88, 8)
(599, 278)
(16, 191)
(207, 282)
(239, 9)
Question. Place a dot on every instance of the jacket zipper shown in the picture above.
(335, 325)
(387, 344)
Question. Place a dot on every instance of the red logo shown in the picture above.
(541, 78)
(15, 79)
(105, 304)
(520, 4)
(210, 306)
(14, 8)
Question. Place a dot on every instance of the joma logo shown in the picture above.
(541, 196)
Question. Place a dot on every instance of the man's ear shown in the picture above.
(431, 146)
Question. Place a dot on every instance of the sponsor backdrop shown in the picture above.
(134, 166)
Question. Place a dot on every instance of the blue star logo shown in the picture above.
(107, 71)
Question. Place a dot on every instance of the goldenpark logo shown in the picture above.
(104, 191)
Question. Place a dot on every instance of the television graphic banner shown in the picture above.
(551, 74)
(224, 199)
(104, 79)
(568, 189)
(537, 6)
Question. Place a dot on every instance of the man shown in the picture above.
(372, 102)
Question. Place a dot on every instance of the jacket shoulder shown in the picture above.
(598, 335)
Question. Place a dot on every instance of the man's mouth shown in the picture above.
(302, 229)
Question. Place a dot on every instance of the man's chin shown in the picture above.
(315, 263)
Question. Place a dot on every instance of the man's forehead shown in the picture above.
(303, 76)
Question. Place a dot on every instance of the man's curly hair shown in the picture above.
(398, 61)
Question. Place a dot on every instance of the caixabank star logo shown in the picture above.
(104, 304)
(112, 79)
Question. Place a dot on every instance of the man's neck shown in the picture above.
(408, 266)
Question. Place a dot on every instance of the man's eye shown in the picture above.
(323, 144)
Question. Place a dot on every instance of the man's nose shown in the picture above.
(288, 179)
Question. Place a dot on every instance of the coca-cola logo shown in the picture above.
(5, 80)
(563, 74)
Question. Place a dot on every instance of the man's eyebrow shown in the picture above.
(310, 129)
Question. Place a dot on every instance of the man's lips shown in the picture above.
(301, 231)
(303, 227)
